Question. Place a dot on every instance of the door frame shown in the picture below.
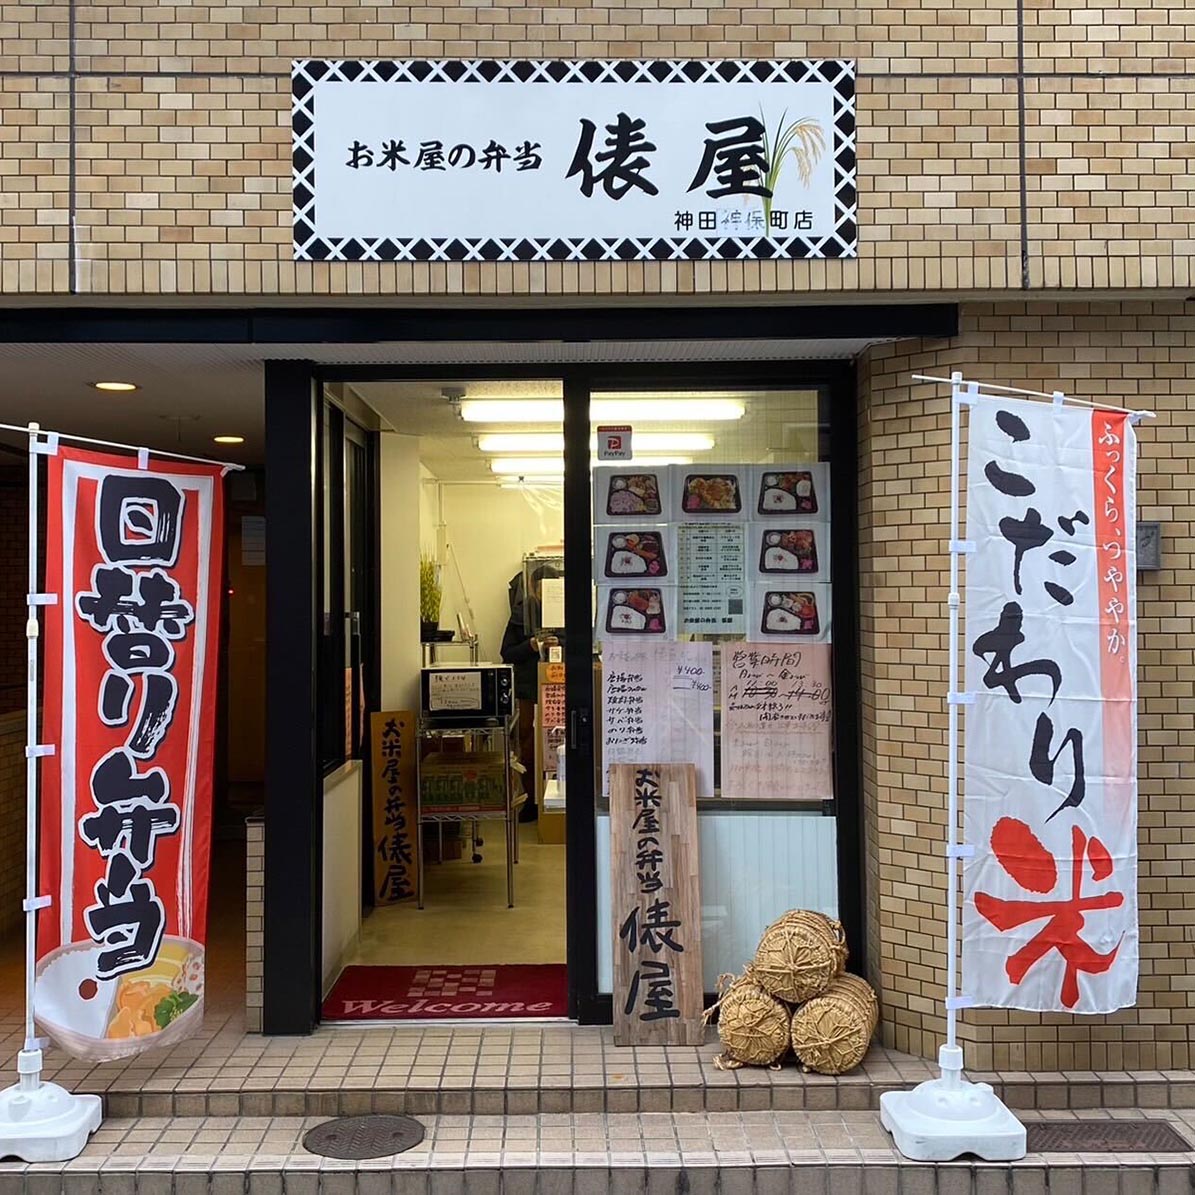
(833, 378)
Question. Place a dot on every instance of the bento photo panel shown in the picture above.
(792, 612)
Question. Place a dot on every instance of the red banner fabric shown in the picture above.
(131, 645)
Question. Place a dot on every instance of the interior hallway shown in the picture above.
(465, 920)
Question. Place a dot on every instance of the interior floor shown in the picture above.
(465, 919)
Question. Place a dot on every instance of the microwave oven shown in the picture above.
(463, 691)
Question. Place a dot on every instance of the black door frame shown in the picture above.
(837, 380)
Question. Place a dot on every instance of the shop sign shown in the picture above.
(395, 857)
(658, 998)
(1050, 897)
(133, 557)
(573, 161)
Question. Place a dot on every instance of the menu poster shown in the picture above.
(789, 611)
(712, 493)
(789, 550)
(658, 704)
(788, 491)
(636, 612)
(776, 722)
(628, 493)
(713, 569)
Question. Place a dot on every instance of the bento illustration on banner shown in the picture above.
(133, 555)
(1050, 897)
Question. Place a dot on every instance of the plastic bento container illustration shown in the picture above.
(110, 1019)
(711, 493)
(788, 550)
(791, 492)
(633, 494)
(789, 613)
(636, 612)
(635, 554)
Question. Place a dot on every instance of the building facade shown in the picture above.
(1027, 169)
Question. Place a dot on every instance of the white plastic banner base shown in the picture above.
(42, 1122)
(942, 1119)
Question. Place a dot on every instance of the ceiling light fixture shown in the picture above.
(699, 409)
(553, 442)
(116, 387)
(229, 439)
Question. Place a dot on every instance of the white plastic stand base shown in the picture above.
(943, 1118)
(43, 1122)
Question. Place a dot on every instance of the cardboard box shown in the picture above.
(551, 827)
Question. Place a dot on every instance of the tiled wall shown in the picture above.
(255, 879)
(979, 168)
(1137, 354)
(12, 823)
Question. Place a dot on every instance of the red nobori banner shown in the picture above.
(134, 557)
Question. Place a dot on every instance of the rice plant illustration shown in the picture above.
(803, 140)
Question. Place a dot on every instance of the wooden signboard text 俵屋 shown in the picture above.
(395, 834)
(657, 904)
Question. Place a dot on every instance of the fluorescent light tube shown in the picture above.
(603, 410)
(546, 466)
(553, 442)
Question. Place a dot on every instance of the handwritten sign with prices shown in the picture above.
(658, 996)
(776, 722)
(395, 855)
(658, 703)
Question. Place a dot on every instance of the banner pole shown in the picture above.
(39, 1122)
(945, 1117)
(952, 737)
(31, 1079)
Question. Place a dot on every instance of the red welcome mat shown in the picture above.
(448, 993)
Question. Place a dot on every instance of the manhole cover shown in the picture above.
(355, 1137)
(1105, 1136)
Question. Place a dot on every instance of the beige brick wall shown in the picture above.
(12, 823)
(1138, 354)
(181, 179)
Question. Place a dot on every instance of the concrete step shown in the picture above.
(633, 1090)
(700, 1153)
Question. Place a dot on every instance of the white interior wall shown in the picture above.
(341, 870)
(400, 533)
(489, 530)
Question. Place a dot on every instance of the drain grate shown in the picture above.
(1105, 1136)
(354, 1138)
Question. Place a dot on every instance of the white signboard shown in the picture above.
(1050, 898)
(658, 706)
(573, 161)
(453, 690)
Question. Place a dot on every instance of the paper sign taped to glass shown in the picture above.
(130, 708)
(1050, 897)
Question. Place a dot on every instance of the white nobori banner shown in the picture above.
(1050, 896)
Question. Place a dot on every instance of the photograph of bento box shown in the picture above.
(796, 615)
(788, 551)
(713, 493)
(637, 611)
(622, 494)
(636, 554)
(797, 490)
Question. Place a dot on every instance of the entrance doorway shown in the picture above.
(462, 777)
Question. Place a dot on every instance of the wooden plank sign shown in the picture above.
(657, 904)
(395, 834)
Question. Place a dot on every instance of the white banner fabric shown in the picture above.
(1050, 760)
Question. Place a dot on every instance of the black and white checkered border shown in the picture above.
(842, 242)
